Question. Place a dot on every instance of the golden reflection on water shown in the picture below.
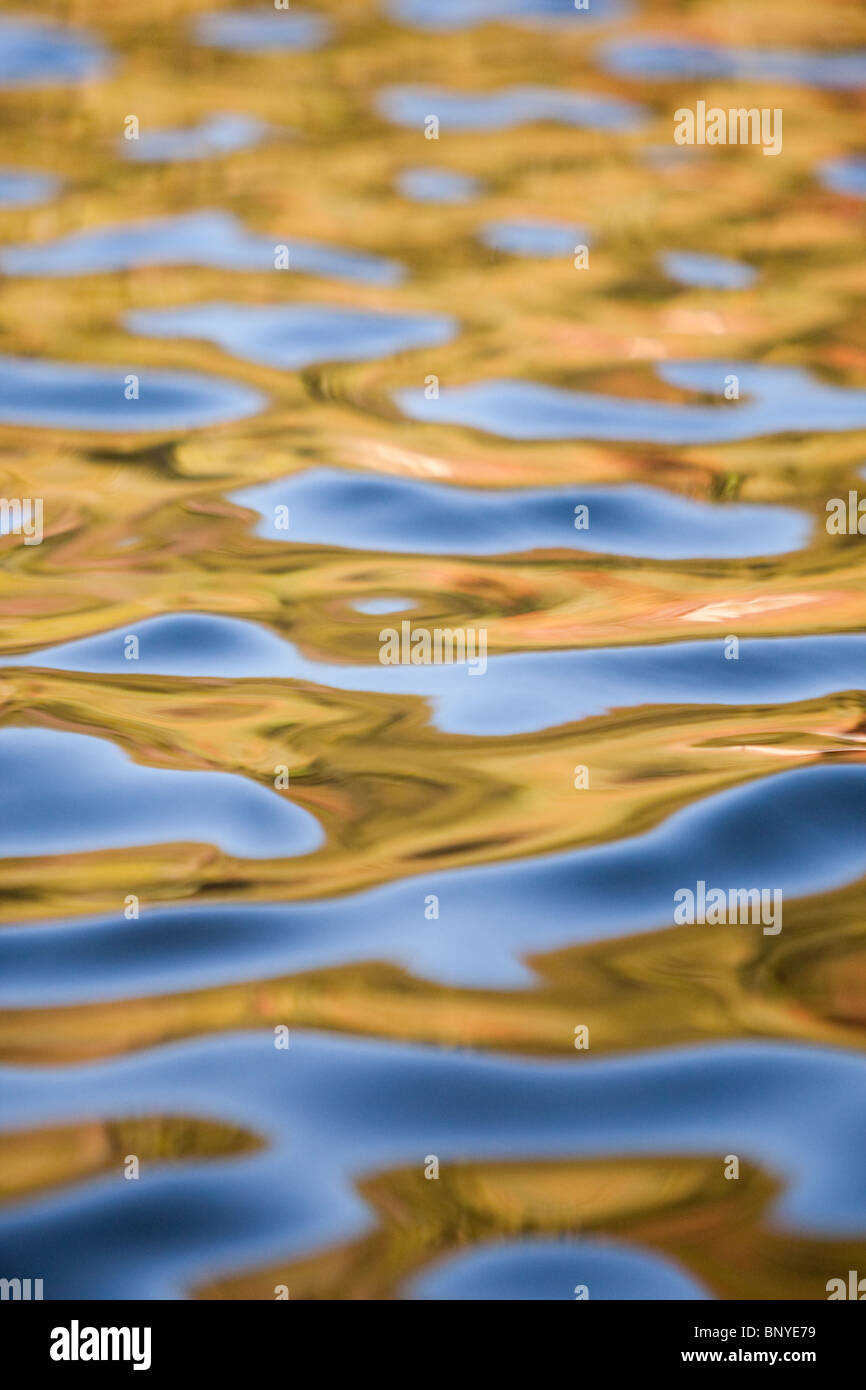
(138, 526)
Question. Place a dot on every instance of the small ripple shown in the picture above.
(262, 31)
(383, 605)
(71, 793)
(21, 188)
(537, 238)
(296, 335)
(707, 272)
(846, 176)
(670, 59)
(464, 14)
(509, 107)
(437, 186)
(519, 692)
(33, 54)
(222, 133)
(406, 516)
(551, 1270)
(775, 400)
(213, 239)
(67, 395)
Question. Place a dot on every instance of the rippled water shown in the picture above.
(332, 326)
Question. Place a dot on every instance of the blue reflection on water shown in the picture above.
(437, 186)
(519, 693)
(296, 335)
(797, 832)
(669, 59)
(68, 793)
(407, 516)
(772, 400)
(219, 134)
(707, 272)
(508, 107)
(35, 54)
(262, 30)
(335, 1110)
(551, 1270)
(20, 188)
(68, 395)
(213, 239)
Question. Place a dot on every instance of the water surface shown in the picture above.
(69, 395)
(296, 335)
(214, 135)
(262, 30)
(771, 400)
(672, 59)
(435, 875)
(401, 515)
(21, 188)
(34, 53)
(518, 693)
(507, 108)
(214, 239)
